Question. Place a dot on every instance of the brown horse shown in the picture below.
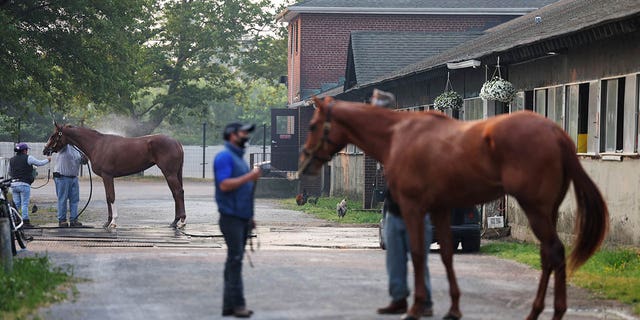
(434, 163)
(114, 156)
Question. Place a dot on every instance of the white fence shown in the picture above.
(193, 164)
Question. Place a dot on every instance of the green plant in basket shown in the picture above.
(498, 89)
(448, 100)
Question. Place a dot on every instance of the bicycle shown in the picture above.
(8, 210)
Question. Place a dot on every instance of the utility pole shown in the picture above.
(204, 147)
(264, 142)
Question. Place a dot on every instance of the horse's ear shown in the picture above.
(317, 102)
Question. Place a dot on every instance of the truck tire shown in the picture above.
(471, 244)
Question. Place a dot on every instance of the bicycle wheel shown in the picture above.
(17, 234)
(21, 238)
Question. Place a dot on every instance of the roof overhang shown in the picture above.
(300, 104)
(293, 11)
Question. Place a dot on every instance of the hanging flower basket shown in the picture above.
(498, 89)
(448, 100)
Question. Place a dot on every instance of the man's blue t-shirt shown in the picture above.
(229, 163)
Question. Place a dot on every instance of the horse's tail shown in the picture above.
(592, 219)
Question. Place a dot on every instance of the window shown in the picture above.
(293, 38)
(577, 114)
(540, 105)
(612, 115)
(549, 103)
(523, 101)
(285, 125)
(472, 109)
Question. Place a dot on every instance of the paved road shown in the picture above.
(303, 268)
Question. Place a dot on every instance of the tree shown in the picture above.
(191, 59)
(266, 56)
(55, 52)
(148, 61)
(258, 98)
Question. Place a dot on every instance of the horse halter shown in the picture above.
(311, 154)
(58, 138)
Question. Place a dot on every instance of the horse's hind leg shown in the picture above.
(552, 260)
(441, 221)
(175, 184)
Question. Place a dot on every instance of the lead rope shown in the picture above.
(90, 181)
(48, 178)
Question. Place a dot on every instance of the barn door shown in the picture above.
(284, 139)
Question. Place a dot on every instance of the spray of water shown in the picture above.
(115, 124)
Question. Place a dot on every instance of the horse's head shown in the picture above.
(324, 140)
(56, 141)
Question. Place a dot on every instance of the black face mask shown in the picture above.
(242, 142)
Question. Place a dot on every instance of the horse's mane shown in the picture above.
(84, 128)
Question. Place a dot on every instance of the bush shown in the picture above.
(33, 282)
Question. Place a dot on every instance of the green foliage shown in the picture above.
(526, 253)
(258, 98)
(34, 282)
(153, 63)
(58, 50)
(610, 273)
(326, 209)
(193, 58)
(266, 57)
(613, 274)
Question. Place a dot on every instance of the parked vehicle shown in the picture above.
(465, 227)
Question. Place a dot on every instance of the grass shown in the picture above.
(611, 273)
(326, 209)
(34, 282)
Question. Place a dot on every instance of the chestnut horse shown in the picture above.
(433, 163)
(114, 156)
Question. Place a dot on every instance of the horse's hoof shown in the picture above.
(450, 316)
(178, 224)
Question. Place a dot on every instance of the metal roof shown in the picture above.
(545, 26)
(458, 7)
(378, 53)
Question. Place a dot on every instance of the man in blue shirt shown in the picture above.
(234, 184)
(397, 245)
(65, 176)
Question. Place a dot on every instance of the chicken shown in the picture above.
(341, 208)
(301, 198)
(313, 200)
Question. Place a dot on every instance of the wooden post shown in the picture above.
(6, 256)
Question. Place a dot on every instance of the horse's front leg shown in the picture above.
(111, 197)
(414, 221)
(441, 220)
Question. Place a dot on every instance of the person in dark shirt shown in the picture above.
(21, 171)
